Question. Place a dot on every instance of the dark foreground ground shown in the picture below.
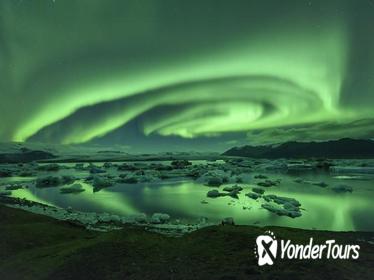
(37, 247)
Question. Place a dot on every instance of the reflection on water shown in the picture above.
(322, 208)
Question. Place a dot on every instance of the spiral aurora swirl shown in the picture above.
(198, 108)
(225, 69)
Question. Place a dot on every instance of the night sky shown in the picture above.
(185, 75)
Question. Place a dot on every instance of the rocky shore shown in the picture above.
(38, 247)
(157, 222)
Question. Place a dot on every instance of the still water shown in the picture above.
(322, 208)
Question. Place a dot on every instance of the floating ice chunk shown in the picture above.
(353, 169)
(76, 188)
(159, 218)
(342, 189)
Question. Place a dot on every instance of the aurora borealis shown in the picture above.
(192, 74)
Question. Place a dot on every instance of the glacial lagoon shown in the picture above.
(185, 199)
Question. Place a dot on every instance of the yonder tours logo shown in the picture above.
(268, 249)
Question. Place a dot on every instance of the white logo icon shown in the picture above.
(266, 248)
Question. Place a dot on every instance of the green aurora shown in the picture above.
(158, 75)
